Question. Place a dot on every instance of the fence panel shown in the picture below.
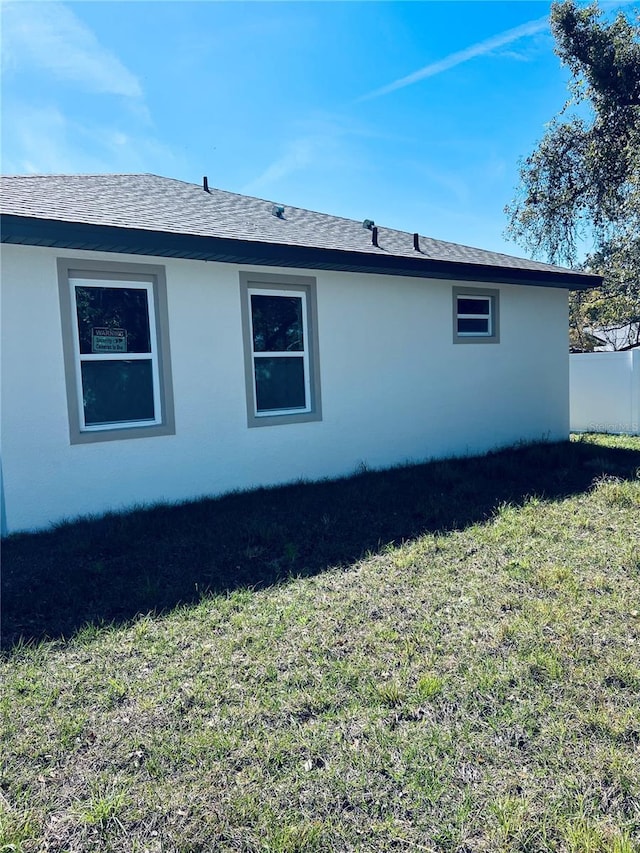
(605, 392)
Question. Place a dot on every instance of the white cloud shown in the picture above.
(318, 143)
(35, 141)
(479, 49)
(608, 5)
(519, 56)
(53, 130)
(49, 36)
(298, 155)
(453, 185)
(43, 140)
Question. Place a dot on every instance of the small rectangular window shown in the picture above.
(281, 351)
(475, 315)
(118, 375)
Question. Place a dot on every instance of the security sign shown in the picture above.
(108, 340)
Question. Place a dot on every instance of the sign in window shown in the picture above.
(116, 353)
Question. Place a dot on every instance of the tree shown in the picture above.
(581, 186)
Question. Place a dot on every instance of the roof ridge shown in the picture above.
(385, 227)
(143, 200)
(270, 201)
(40, 175)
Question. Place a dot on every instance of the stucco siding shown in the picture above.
(394, 388)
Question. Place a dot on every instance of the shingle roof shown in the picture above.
(150, 203)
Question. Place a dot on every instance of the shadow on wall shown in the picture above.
(116, 567)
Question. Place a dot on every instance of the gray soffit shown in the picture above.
(164, 217)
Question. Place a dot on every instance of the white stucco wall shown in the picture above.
(394, 388)
(605, 392)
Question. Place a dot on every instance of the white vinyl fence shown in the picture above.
(605, 392)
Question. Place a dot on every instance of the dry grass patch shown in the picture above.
(474, 689)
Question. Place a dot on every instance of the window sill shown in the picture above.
(110, 434)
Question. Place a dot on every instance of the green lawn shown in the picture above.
(438, 658)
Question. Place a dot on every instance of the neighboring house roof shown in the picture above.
(616, 338)
(152, 215)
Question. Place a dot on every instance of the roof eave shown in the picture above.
(34, 231)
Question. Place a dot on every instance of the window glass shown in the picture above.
(467, 305)
(279, 326)
(277, 323)
(117, 391)
(280, 383)
(473, 326)
(116, 352)
(475, 315)
(113, 319)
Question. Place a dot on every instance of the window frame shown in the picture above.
(74, 272)
(269, 284)
(493, 297)
(302, 355)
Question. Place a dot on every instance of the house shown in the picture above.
(164, 340)
(617, 338)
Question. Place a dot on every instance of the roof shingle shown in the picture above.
(157, 204)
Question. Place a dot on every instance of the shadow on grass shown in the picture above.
(113, 568)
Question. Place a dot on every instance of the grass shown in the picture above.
(437, 658)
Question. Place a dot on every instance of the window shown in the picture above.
(116, 353)
(475, 315)
(281, 348)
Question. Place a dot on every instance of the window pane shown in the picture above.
(117, 391)
(473, 326)
(277, 323)
(467, 305)
(113, 319)
(280, 383)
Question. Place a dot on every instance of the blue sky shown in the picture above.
(413, 114)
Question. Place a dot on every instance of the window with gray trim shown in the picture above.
(475, 315)
(116, 347)
(279, 319)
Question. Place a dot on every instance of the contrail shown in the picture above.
(482, 47)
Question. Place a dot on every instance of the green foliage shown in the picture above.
(582, 183)
(613, 309)
(15, 829)
(103, 808)
(429, 686)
